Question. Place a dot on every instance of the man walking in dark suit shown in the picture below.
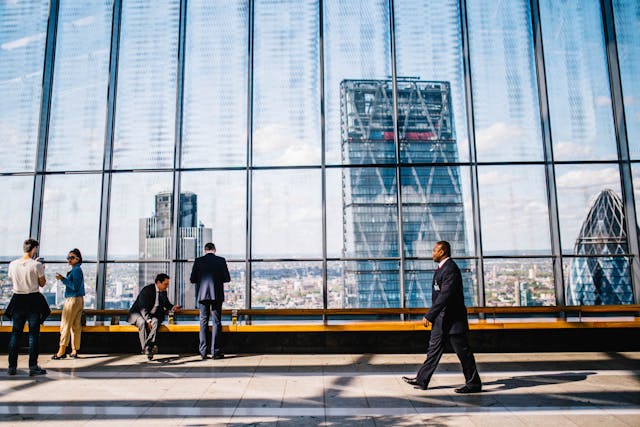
(209, 274)
(148, 310)
(448, 315)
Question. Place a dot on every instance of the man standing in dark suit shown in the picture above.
(148, 310)
(209, 274)
(448, 315)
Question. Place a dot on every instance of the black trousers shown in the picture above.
(460, 344)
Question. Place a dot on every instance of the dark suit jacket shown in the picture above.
(145, 302)
(448, 312)
(210, 273)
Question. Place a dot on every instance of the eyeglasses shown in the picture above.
(72, 257)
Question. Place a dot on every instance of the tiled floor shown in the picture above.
(549, 389)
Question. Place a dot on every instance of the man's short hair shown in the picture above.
(161, 277)
(29, 245)
(446, 247)
(209, 247)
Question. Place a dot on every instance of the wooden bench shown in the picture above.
(244, 320)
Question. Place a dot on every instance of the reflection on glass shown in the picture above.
(286, 88)
(23, 28)
(578, 80)
(356, 46)
(521, 282)
(78, 109)
(15, 214)
(371, 284)
(589, 194)
(505, 94)
(598, 280)
(418, 277)
(234, 291)
(513, 209)
(221, 205)
(215, 84)
(140, 216)
(436, 205)
(70, 216)
(146, 98)
(286, 285)
(124, 283)
(432, 52)
(287, 214)
(627, 23)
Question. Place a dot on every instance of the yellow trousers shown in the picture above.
(70, 325)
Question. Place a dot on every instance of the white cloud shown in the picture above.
(569, 149)
(603, 101)
(276, 145)
(493, 178)
(87, 20)
(590, 178)
(22, 42)
(496, 135)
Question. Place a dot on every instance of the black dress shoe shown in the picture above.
(56, 357)
(218, 356)
(466, 389)
(413, 381)
(203, 356)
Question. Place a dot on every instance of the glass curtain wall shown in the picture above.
(324, 146)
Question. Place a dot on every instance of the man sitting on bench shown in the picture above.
(147, 312)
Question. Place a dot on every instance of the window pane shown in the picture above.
(356, 47)
(215, 84)
(431, 52)
(371, 284)
(418, 277)
(23, 30)
(81, 78)
(590, 206)
(518, 282)
(635, 171)
(578, 81)
(503, 75)
(287, 214)
(221, 209)
(6, 286)
(362, 213)
(286, 285)
(234, 291)
(513, 209)
(125, 280)
(436, 205)
(598, 281)
(70, 216)
(286, 91)
(627, 21)
(146, 98)
(15, 214)
(140, 216)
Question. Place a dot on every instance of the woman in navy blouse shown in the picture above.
(70, 325)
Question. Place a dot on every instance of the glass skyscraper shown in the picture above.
(155, 240)
(604, 279)
(432, 204)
